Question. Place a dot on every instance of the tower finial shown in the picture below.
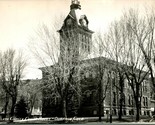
(75, 4)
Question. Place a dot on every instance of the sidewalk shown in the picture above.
(82, 120)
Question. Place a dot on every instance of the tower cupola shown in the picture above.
(75, 4)
(75, 36)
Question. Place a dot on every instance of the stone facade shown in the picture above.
(75, 45)
(89, 80)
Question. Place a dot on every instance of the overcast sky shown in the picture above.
(20, 18)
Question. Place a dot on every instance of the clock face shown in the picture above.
(69, 21)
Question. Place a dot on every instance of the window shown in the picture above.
(144, 86)
(87, 74)
(143, 101)
(132, 100)
(89, 44)
(123, 96)
(85, 47)
(88, 48)
(124, 112)
(114, 98)
(85, 43)
(132, 111)
(125, 83)
(82, 41)
(129, 100)
(146, 101)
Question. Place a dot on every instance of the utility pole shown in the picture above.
(111, 97)
(154, 103)
(100, 90)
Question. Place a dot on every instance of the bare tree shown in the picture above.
(102, 70)
(30, 90)
(12, 67)
(112, 44)
(143, 28)
(139, 66)
(136, 74)
(4, 95)
(60, 68)
(4, 101)
(121, 44)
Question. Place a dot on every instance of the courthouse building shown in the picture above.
(76, 38)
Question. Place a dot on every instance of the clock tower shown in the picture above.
(75, 36)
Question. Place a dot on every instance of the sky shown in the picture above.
(19, 19)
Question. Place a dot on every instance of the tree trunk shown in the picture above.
(30, 112)
(103, 108)
(137, 102)
(64, 112)
(32, 102)
(138, 109)
(100, 100)
(121, 83)
(6, 105)
(120, 108)
(13, 106)
(99, 112)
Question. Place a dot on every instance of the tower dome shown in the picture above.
(75, 4)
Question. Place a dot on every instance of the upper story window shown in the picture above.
(82, 41)
(87, 74)
(143, 101)
(69, 22)
(144, 86)
(129, 100)
(83, 21)
(114, 98)
(88, 44)
(123, 99)
(132, 100)
(126, 83)
(146, 101)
